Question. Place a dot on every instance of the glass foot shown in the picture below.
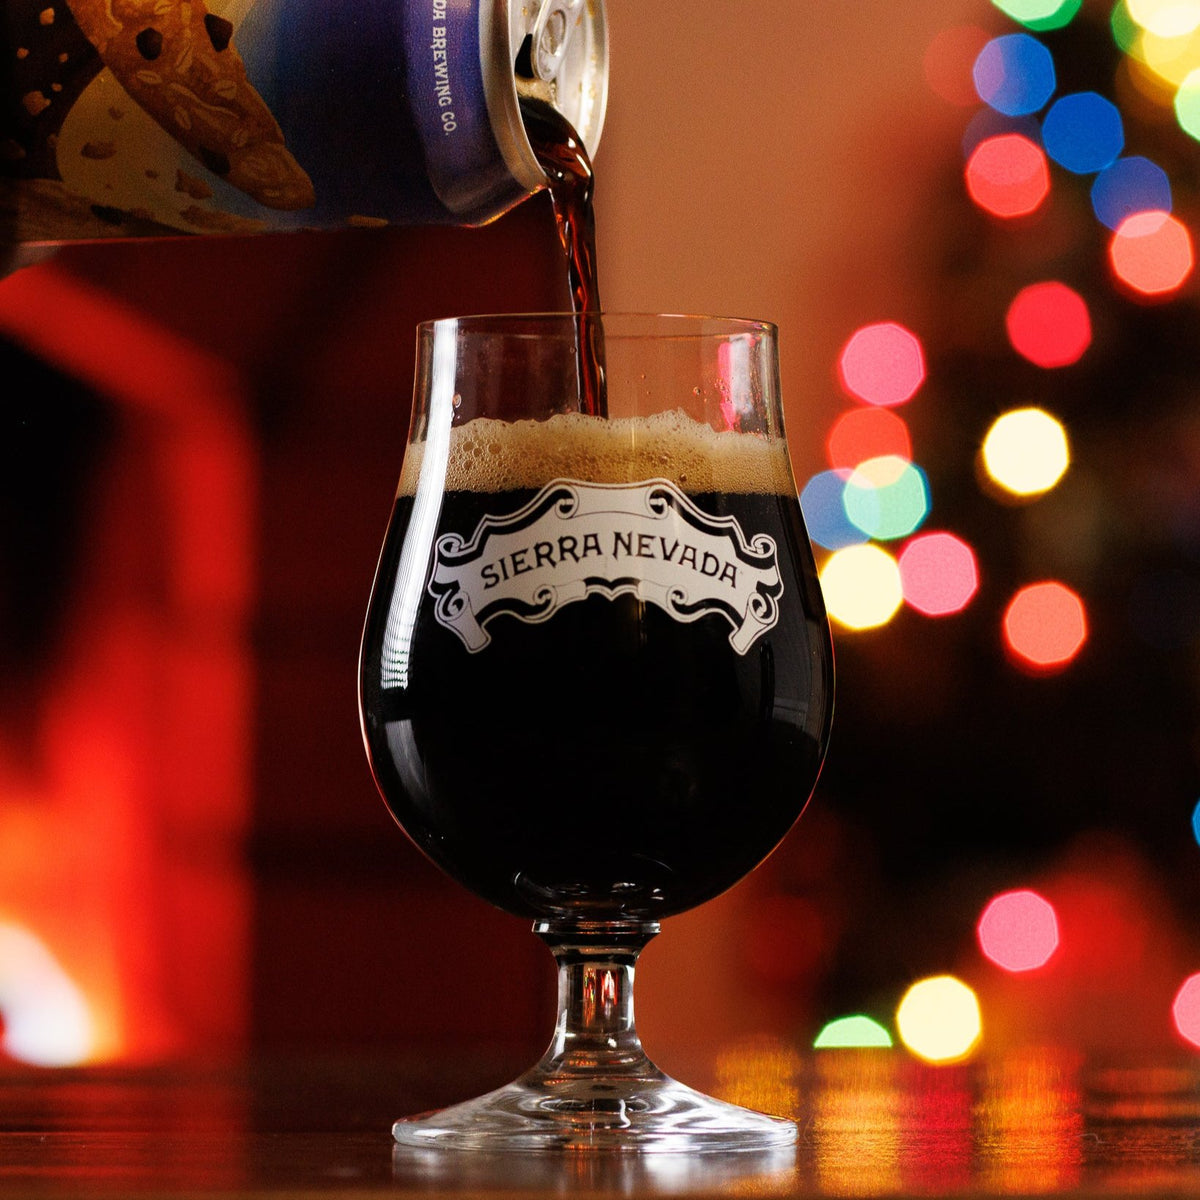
(644, 1114)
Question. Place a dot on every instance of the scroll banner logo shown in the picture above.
(575, 539)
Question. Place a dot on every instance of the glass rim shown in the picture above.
(619, 323)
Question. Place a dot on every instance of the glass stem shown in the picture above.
(595, 1033)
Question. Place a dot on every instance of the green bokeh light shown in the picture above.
(886, 498)
(852, 1033)
(1125, 30)
(1040, 14)
(1187, 105)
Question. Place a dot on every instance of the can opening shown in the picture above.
(558, 52)
(524, 64)
(562, 58)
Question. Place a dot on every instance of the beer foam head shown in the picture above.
(500, 456)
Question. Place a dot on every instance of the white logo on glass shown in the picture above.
(576, 539)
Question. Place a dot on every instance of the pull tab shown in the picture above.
(551, 34)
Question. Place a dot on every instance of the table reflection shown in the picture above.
(873, 1122)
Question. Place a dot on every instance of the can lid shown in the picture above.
(558, 51)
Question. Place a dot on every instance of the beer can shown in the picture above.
(166, 117)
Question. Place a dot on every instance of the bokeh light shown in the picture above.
(1041, 15)
(1083, 132)
(949, 60)
(886, 497)
(1151, 253)
(1187, 104)
(1186, 1009)
(1131, 185)
(939, 1019)
(861, 585)
(938, 574)
(1138, 83)
(825, 514)
(1048, 323)
(882, 364)
(1014, 74)
(1007, 175)
(852, 1033)
(1018, 931)
(1045, 626)
(1166, 18)
(864, 433)
(1126, 31)
(1170, 59)
(1196, 822)
(1025, 451)
(44, 1017)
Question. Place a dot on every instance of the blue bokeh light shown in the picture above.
(1014, 74)
(824, 511)
(1131, 185)
(1083, 132)
(1196, 822)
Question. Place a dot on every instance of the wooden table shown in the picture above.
(871, 1123)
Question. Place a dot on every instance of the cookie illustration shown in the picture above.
(178, 62)
(47, 62)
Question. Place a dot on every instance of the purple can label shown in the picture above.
(237, 116)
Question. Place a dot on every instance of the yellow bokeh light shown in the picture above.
(1172, 59)
(1141, 82)
(1165, 18)
(1026, 451)
(939, 1019)
(862, 587)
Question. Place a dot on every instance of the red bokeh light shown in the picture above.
(865, 433)
(126, 787)
(1186, 1010)
(938, 575)
(1018, 931)
(882, 364)
(1045, 626)
(949, 60)
(1048, 323)
(1151, 253)
(1008, 176)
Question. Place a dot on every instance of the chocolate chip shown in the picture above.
(215, 161)
(220, 31)
(149, 43)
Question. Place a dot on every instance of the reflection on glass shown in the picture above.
(754, 1173)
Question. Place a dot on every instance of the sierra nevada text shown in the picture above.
(627, 544)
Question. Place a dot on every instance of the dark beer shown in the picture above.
(571, 184)
(610, 760)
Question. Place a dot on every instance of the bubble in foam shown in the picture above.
(487, 455)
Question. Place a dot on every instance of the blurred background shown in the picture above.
(974, 224)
